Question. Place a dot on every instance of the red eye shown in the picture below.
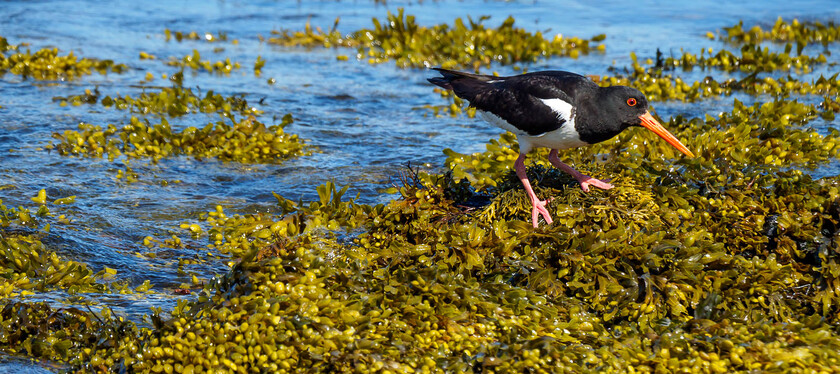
(631, 102)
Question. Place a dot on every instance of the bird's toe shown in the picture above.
(540, 210)
(589, 181)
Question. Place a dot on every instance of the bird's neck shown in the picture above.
(593, 121)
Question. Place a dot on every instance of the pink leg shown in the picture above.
(584, 180)
(539, 205)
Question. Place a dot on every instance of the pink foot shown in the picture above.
(587, 181)
(539, 209)
(538, 205)
(584, 180)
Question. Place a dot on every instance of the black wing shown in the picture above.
(517, 99)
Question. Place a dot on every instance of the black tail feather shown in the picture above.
(441, 82)
(465, 84)
(454, 74)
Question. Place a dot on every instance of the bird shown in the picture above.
(557, 110)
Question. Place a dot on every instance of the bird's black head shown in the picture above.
(627, 106)
(611, 111)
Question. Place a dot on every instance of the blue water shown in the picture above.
(363, 119)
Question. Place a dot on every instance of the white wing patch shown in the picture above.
(564, 137)
(562, 108)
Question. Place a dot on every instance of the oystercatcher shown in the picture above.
(554, 109)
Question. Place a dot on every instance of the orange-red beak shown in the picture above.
(654, 125)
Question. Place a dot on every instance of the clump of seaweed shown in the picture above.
(82, 340)
(46, 64)
(752, 59)
(194, 62)
(172, 101)
(801, 33)
(192, 35)
(401, 39)
(246, 140)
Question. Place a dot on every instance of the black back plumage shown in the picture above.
(519, 101)
(516, 99)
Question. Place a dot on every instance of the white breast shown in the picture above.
(564, 137)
